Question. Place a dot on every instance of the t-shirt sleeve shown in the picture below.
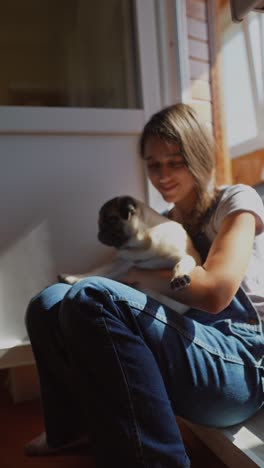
(240, 197)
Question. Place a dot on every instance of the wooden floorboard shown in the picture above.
(19, 423)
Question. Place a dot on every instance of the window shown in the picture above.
(69, 53)
(243, 72)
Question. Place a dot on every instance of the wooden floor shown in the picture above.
(19, 423)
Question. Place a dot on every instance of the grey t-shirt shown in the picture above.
(242, 197)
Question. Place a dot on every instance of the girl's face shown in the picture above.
(168, 172)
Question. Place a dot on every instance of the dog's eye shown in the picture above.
(128, 211)
(126, 207)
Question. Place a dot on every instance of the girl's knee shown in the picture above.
(91, 289)
(85, 301)
(43, 302)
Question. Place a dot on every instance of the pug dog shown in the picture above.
(142, 238)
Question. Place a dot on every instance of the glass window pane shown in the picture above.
(69, 53)
(238, 97)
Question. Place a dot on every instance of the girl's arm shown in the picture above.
(214, 284)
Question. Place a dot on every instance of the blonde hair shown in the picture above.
(179, 124)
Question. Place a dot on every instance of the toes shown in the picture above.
(180, 282)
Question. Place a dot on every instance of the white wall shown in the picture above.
(63, 181)
(51, 188)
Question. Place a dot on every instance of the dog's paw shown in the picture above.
(68, 279)
(180, 282)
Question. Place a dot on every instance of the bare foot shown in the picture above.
(39, 446)
(68, 279)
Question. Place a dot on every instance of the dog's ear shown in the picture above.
(127, 207)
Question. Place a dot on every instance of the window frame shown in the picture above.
(73, 120)
(256, 143)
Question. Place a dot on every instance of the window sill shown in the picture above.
(55, 120)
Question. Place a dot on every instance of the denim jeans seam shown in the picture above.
(202, 344)
(194, 340)
(116, 298)
(133, 416)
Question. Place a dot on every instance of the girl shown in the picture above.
(115, 366)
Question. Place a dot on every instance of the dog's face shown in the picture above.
(118, 221)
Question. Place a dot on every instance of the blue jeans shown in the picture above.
(117, 364)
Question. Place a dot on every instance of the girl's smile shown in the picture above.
(168, 172)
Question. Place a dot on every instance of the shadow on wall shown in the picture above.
(51, 189)
(26, 267)
(64, 180)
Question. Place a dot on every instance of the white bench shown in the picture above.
(241, 445)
